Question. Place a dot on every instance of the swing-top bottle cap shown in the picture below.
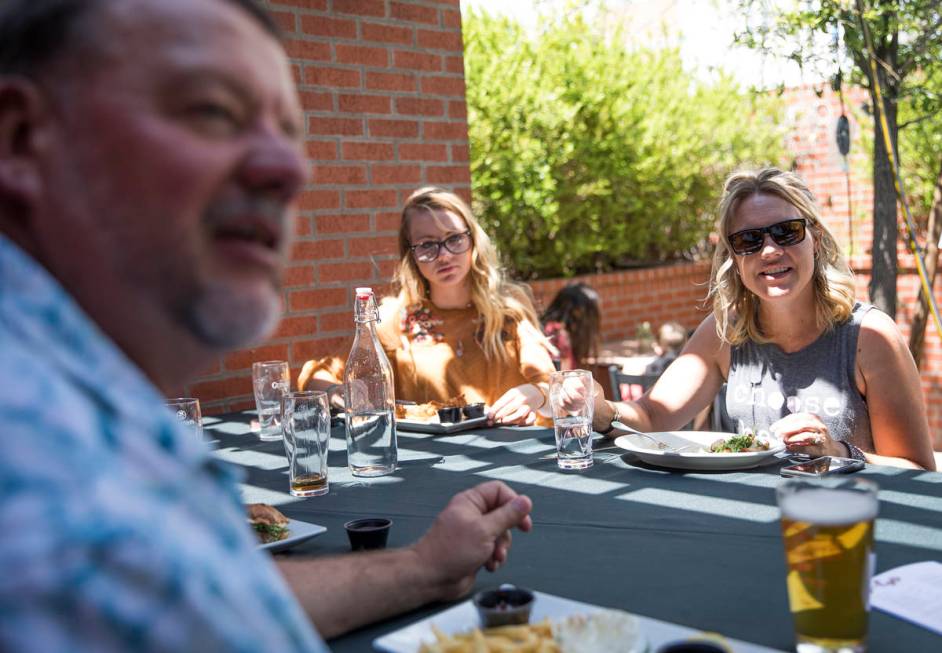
(364, 293)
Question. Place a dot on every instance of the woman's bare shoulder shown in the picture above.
(880, 340)
(707, 344)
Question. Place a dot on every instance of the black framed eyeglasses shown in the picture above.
(784, 234)
(428, 250)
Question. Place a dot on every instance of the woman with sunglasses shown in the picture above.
(801, 358)
(457, 325)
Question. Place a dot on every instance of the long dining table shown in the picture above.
(701, 549)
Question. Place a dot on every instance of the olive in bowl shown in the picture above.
(506, 606)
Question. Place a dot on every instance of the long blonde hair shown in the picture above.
(500, 302)
(735, 308)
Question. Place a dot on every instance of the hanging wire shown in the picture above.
(842, 135)
(909, 230)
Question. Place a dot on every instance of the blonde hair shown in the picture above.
(499, 301)
(735, 308)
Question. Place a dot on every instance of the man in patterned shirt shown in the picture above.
(150, 157)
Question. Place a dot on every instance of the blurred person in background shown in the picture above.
(572, 324)
(671, 339)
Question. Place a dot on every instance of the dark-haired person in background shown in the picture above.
(572, 324)
(150, 159)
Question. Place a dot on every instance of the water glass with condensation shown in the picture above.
(572, 397)
(305, 421)
(270, 382)
(827, 528)
(187, 410)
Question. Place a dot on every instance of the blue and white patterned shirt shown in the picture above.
(118, 529)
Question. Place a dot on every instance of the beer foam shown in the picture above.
(828, 507)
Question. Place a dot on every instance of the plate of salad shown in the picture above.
(701, 450)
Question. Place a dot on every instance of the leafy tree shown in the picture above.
(921, 154)
(907, 46)
(588, 155)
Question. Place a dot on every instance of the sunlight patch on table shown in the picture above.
(460, 463)
(557, 480)
(920, 501)
(256, 459)
(907, 534)
(231, 428)
(744, 510)
(740, 478)
(342, 476)
(413, 454)
(255, 494)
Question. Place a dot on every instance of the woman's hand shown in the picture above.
(806, 433)
(517, 406)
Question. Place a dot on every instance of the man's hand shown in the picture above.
(472, 531)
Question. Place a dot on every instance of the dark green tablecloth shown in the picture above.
(702, 549)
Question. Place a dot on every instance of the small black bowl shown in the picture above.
(449, 414)
(506, 606)
(369, 533)
(473, 411)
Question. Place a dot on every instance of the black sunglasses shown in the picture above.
(428, 250)
(784, 234)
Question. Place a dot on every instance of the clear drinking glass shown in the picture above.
(572, 397)
(270, 381)
(305, 421)
(187, 410)
(827, 527)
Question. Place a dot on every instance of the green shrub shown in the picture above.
(587, 155)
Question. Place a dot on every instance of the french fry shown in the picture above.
(535, 638)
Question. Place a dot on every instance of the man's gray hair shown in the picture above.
(34, 33)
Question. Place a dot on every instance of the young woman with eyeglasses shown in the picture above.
(457, 325)
(801, 358)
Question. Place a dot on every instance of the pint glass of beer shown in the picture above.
(827, 527)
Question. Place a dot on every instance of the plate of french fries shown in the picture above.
(557, 625)
(537, 638)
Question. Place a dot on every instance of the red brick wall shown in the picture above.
(382, 85)
(630, 297)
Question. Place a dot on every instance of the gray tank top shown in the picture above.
(766, 384)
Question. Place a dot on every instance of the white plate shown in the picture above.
(463, 617)
(436, 427)
(644, 449)
(299, 531)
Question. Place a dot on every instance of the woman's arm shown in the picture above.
(520, 404)
(326, 375)
(888, 379)
(687, 386)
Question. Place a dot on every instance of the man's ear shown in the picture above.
(23, 110)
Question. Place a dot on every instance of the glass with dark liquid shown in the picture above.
(306, 425)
